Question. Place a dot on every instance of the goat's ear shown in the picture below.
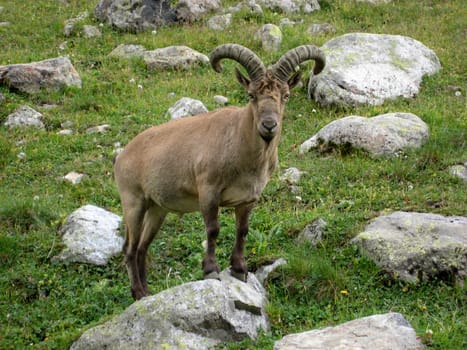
(242, 79)
(294, 79)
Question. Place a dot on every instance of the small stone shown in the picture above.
(128, 51)
(99, 129)
(317, 28)
(270, 36)
(23, 117)
(91, 32)
(220, 22)
(459, 171)
(313, 232)
(65, 132)
(186, 107)
(222, 100)
(74, 177)
(292, 175)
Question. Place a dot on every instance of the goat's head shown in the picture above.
(268, 89)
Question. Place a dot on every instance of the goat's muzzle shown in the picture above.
(268, 128)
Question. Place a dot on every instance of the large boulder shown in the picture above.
(195, 315)
(135, 15)
(90, 235)
(370, 68)
(417, 246)
(383, 135)
(382, 332)
(55, 73)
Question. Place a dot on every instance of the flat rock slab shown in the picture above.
(55, 73)
(417, 246)
(382, 135)
(370, 68)
(378, 332)
(90, 235)
(193, 316)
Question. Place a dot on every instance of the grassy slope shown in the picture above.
(48, 305)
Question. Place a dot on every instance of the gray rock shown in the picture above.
(71, 23)
(91, 32)
(221, 100)
(220, 23)
(318, 28)
(291, 6)
(74, 177)
(55, 73)
(193, 316)
(383, 135)
(459, 171)
(128, 51)
(25, 116)
(270, 36)
(192, 10)
(249, 5)
(174, 57)
(264, 271)
(416, 246)
(370, 68)
(65, 132)
(292, 175)
(284, 22)
(90, 235)
(135, 15)
(186, 107)
(98, 129)
(382, 332)
(313, 232)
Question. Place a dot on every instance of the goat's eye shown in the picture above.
(286, 97)
(251, 95)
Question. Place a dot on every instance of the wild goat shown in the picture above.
(221, 158)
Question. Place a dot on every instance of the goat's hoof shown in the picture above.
(139, 293)
(242, 276)
(214, 275)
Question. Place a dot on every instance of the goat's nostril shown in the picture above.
(269, 125)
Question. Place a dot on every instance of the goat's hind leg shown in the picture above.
(153, 220)
(238, 267)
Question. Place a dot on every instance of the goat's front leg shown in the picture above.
(210, 216)
(239, 269)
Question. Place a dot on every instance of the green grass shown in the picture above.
(47, 305)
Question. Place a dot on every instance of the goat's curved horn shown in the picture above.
(292, 58)
(247, 58)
